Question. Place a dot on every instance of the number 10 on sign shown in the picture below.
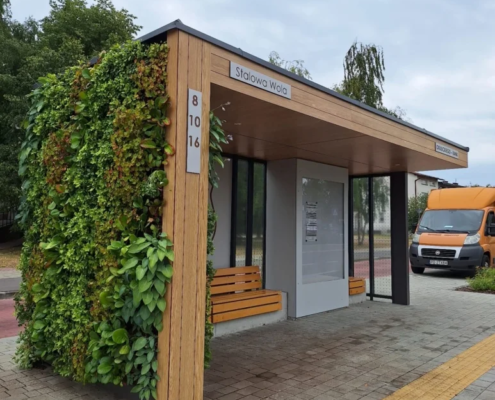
(194, 115)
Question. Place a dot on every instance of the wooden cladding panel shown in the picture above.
(164, 342)
(423, 144)
(190, 246)
(312, 102)
(181, 343)
(203, 227)
(256, 134)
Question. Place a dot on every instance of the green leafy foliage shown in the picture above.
(296, 67)
(415, 208)
(95, 264)
(483, 281)
(364, 67)
(72, 31)
(381, 195)
(217, 138)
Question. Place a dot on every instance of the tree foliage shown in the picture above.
(361, 192)
(364, 77)
(73, 31)
(415, 209)
(296, 66)
(364, 68)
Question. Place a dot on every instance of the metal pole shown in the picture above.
(371, 215)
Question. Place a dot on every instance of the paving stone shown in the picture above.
(367, 351)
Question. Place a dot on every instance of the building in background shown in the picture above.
(417, 184)
(420, 183)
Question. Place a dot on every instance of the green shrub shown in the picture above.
(484, 280)
(95, 264)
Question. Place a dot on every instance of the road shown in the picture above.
(363, 254)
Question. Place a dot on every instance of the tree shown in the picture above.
(72, 32)
(296, 67)
(364, 67)
(381, 194)
(415, 209)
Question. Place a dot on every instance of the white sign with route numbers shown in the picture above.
(194, 115)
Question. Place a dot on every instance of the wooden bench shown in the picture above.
(356, 285)
(236, 293)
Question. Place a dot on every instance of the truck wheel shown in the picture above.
(485, 261)
(418, 270)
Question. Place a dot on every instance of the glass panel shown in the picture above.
(361, 230)
(258, 213)
(323, 230)
(382, 239)
(241, 213)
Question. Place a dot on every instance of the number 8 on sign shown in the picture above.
(194, 114)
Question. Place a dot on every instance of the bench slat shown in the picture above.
(356, 291)
(239, 287)
(236, 278)
(356, 284)
(236, 271)
(228, 298)
(227, 316)
(249, 303)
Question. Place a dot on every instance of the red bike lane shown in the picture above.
(8, 323)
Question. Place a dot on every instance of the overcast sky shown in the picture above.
(439, 54)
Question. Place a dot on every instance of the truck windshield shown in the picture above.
(458, 221)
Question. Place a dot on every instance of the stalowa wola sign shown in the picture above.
(261, 81)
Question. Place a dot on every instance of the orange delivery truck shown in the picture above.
(456, 231)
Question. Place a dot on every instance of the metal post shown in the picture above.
(400, 242)
(233, 213)
(350, 229)
(249, 217)
(371, 215)
(263, 271)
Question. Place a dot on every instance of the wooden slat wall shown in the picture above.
(323, 106)
(181, 343)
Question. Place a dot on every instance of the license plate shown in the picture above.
(439, 262)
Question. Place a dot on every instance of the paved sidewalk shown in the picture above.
(9, 273)
(10, 280)
(481, 389)
(367, 351)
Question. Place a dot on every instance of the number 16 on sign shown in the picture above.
(194, 114)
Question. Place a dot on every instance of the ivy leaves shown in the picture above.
(217, 138)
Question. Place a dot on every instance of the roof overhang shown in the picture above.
(316, 123)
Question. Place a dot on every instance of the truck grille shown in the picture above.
(438, 253)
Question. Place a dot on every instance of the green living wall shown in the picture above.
(95, 263)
